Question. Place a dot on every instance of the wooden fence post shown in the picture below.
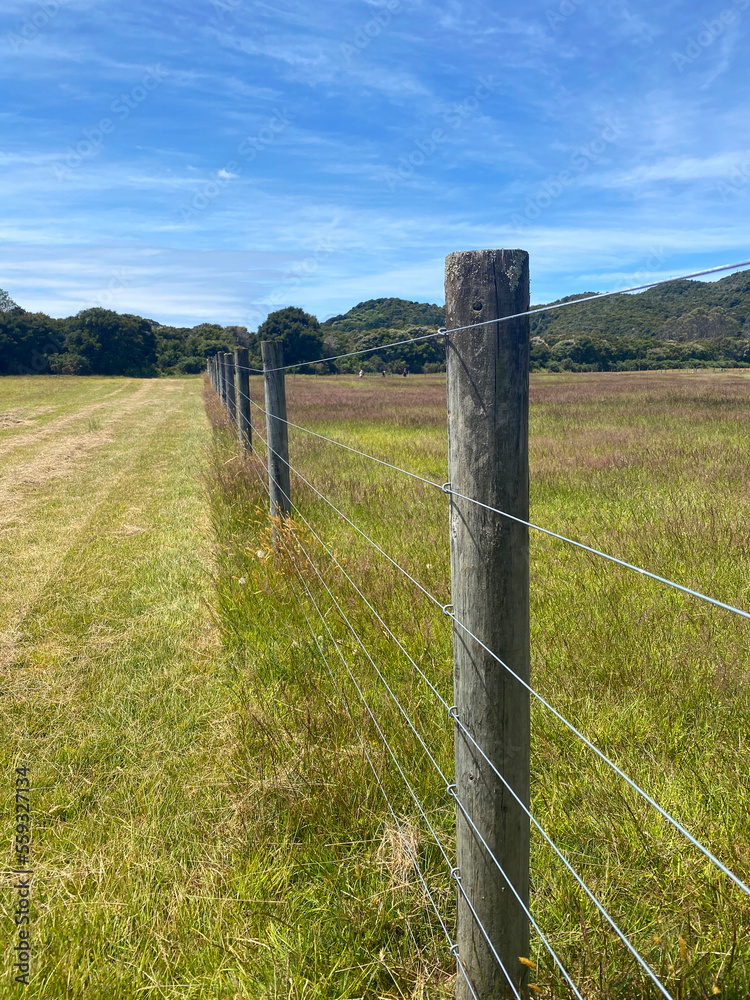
(242, 388)
(488, 392)
(223, 377)
(276, 429)
(231, 395)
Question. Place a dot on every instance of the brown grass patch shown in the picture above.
(12, 419)
(413, 401)
(395, 853)
(666, 390)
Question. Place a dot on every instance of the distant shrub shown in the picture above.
(190, 366)
(69, 364)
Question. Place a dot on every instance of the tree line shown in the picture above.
(683, 324)
(102, 342)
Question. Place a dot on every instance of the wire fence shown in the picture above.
(311, 575)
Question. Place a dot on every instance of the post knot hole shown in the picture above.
(477, 307)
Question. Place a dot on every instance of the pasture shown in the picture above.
(651, 468)
(205, 817)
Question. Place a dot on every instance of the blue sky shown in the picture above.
(211, 160)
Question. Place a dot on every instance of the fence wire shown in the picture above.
(447, 610)
(443, 332)
(447, 488)
(451, 790)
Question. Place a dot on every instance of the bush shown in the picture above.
(190, 366)
(69, 364)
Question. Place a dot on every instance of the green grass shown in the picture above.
(652, 468)
(206, 823)
(114, 693)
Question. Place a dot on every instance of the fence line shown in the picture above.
(450, 789)
(221, 373)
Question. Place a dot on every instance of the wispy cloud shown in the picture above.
(353, 118)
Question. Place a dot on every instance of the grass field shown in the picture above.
(652, 468)
(205, 820)
(113, 691)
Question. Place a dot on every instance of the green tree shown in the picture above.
(6, 302)
(700, 324)
(27, 340)
(113, 344)
(390, 314)
(297, 330)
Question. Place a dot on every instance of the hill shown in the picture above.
(646, 313)
(385, 314)
(680, 324)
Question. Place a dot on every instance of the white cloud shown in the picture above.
(688, 168)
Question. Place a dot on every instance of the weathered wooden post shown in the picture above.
(231, 393)
(225, 358)
(223, 377)
(276, 429)
(242, 388)
(488, 399)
